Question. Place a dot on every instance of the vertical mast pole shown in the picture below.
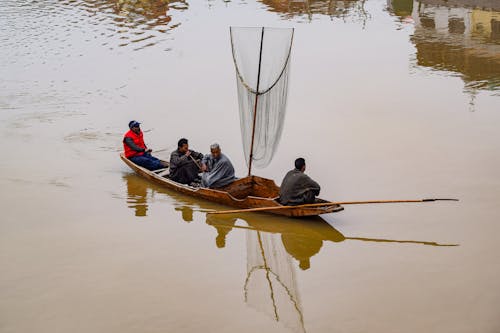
(255, 107)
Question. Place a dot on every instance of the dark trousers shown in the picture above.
(147, 161)
(186, 174)
(309, 197)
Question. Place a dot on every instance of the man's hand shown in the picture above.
(149, 150)
(204, 167)
(188, 153)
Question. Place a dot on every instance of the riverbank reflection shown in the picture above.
(289, 9)
(459, 36)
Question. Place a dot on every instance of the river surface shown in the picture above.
(395, 99)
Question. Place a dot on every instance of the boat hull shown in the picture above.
(248, 192)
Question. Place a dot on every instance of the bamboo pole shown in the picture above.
(255, 106)
(323, 204)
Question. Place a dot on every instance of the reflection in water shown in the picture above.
(140, 191)
(150, 9)
(223, 225)
(111, 23)
(401, 8)
(272, 241)
(187, 213)
(270, 286)
(460, 36)
(138, 23)
(308, 8)
(301, 238)
(137, 197)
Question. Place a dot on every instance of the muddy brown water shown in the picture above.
(387, 100)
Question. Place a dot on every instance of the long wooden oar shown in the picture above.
(322, 204)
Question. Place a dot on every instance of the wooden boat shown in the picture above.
(253, 191)
(248, 192)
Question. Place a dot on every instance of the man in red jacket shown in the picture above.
(136, 150)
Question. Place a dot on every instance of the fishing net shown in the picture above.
(270, 286)
(262, 60)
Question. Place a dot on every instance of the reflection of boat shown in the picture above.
(270, 285)
(268, 263)
(248, 192)
(302, 239)
(272, 243)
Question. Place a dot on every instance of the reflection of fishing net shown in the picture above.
(270, 286)
(262, 60)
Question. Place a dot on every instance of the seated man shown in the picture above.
(217, 169)
(136, 150)
(184, 166)
(297, 188)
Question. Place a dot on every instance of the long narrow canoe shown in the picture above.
(248, 192)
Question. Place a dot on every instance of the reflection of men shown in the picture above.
(301, 247)
(223, 225)
(137, 195)
(136, 150)
(217, 169)
(297, 188)
(187, 213)
(183, 163)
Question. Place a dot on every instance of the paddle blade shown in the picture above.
(426, 200)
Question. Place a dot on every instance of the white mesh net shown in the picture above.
(271, 287)
(262, 60)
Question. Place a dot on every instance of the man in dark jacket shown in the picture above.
(135, 149)
(297, 188)
(185, 163)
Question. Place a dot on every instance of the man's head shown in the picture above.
(215, 150)
(182, 145)
(300, 164)
(134, 126)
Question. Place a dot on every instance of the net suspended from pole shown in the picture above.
(262, 60)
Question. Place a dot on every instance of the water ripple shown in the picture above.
(61, 25)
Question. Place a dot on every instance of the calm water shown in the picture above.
(389, 99)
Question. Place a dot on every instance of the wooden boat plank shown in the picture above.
(236, 194)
